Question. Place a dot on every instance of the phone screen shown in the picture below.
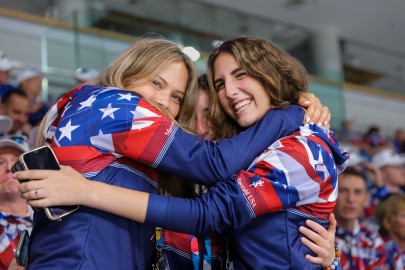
(44, 158)
(41, 158)
(21, 254)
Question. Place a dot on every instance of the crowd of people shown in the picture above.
(178, 171)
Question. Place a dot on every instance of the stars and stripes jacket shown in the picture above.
(363, 248)
(294, 179)
(116, 137)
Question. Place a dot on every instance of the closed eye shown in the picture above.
(240, 75)
(219, 85)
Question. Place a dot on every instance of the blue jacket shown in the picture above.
(115, 137)
(294, 179)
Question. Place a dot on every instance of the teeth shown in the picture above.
(242, 104)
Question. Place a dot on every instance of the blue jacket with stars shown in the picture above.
(116, 137)
(294, 179)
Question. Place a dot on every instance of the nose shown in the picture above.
(163, 100)
(201, 125)
(230, 89)
(351, 196)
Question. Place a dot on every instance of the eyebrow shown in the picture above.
(233, 73)
(175, 90)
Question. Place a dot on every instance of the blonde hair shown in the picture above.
(283, 76)
(388, 208)
(143, 61)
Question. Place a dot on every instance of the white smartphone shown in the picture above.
(44, 158)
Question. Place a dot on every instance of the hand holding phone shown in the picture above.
(43, 158)
(21, 253)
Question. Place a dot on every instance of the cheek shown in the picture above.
(174, 110)
(223, 101)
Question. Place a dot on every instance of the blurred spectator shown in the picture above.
(360, 245)
(375, 183)
(346, 134)
(30, 81)
(390, 214)
(6, 124)
(5, 68)
(392, 169)
(372, 142)
(15, 214)
(399, 140)
(84, 75)
(15, 105)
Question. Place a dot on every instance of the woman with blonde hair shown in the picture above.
(390, 215)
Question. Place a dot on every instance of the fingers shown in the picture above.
(332, 225)
(324, 118)
(303, 101)
(314, 110)
(33, 174)
(315, 230)
(319, 240)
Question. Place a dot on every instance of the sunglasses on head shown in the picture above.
(17, 138)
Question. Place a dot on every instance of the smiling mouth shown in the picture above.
(242, 104)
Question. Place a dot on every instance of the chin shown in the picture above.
(246, 123)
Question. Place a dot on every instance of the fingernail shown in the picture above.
(319, 124)
(325, 123)
(307, 102)
(308, 119)
(311, 123)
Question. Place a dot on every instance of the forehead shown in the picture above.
(350, 181)
(4, 151)
(18, 100)
(176, 74)
(225, 62)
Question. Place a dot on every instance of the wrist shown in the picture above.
(335, 265)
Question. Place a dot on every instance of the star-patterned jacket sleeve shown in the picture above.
(113, 123)
(141, 133)
(298, 171)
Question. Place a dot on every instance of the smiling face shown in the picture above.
(242, 97)
(167, 89)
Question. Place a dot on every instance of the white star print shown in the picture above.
(87, 103)
(259, 183)
(109, 111)
(127, 96)
(67, 131)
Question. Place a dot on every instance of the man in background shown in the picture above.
(15, 105)
(361, 246)
(15, 214)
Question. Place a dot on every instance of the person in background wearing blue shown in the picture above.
(296, 177)
(29, 80)
(5, 68)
